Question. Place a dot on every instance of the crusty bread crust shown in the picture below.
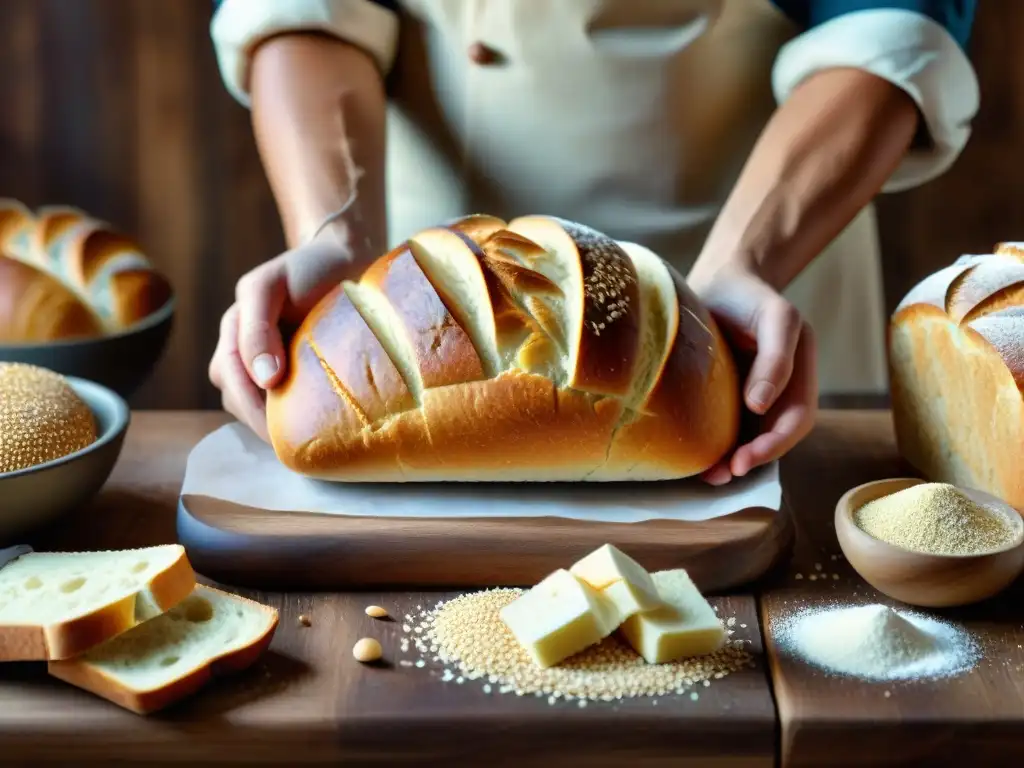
(68, 275)
(82, 674)
(956, 358)
(69, 638)
(557, 372)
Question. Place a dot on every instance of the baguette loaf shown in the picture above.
(171, 656)
(57, 605)
(67, 275)
(956, 352)
(532, 350)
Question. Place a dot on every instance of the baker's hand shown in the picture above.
(250, 356)
(782, 385)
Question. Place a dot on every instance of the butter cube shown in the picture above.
(559, 617)
(686, 625)
(620, 578)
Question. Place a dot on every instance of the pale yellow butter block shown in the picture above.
(621, 578)
(559, 617)
(685, 626)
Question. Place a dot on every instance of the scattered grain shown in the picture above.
(798, 576)
(471, 637)
(376, 612)
(367, 650)
(934, 518)
(304, 620)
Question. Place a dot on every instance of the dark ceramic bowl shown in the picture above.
(37, 496)
(121, 362)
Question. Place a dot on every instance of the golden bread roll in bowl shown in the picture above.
(65, 275)
(531, 350)
(41, 417)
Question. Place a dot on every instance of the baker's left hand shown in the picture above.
(782, 384)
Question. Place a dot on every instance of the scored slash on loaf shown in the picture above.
(956, 357)
(66, 275)
(531, 350)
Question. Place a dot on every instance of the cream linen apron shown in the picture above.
(631, 116)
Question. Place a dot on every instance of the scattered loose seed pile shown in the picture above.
(468, 634)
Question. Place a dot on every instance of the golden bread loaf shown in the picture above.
(41, 417)
(66, 275)
(530, 350)
(956, 358)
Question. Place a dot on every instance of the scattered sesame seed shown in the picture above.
(812, 577)
(798, 576)
(887, 694)
(817, 566)
(473, 643)
(420, 663)
(694, 696)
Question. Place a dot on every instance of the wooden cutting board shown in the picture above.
(293, 550)
(246, 520)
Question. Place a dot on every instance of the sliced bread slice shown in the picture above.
(172, 656)
(55, 605)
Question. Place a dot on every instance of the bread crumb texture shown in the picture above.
(41, 417)
(935, 518)
(467, 635)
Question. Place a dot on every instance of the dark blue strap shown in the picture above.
(955, 16)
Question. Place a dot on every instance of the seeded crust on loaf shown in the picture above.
(66, 275)
(956, 358)
(530, 350)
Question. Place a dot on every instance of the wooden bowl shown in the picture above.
(926, 580)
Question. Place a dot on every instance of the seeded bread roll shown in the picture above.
(41, 418)
(956, 352)
(67, 275)
(532, 350)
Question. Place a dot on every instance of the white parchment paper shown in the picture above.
(234, 465)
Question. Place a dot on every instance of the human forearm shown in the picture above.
(318, 113)
(822, 157)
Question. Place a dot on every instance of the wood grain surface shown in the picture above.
(294, 550)
(975, 718)
(308, 700)
(117, 106)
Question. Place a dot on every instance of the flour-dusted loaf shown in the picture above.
(65, 275)
(55, 605)
(530, 350)
(210, 633)
(956, 351)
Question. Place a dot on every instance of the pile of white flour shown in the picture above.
(876, 642)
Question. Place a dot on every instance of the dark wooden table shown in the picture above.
(308, 700)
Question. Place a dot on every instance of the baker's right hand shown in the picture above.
(250, 356)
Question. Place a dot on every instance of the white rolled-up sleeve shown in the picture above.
(239, 26)
(912, 52)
